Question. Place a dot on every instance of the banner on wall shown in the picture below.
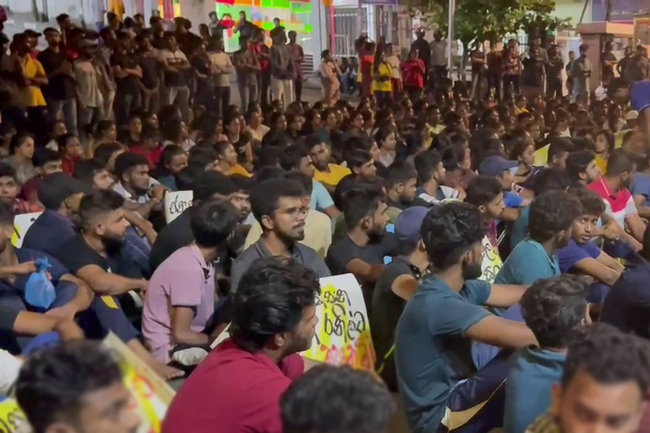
(175, 204)
(343, 330)
(151, 394)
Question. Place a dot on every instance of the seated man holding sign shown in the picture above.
(238, 386)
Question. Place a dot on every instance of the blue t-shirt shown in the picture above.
(49, 232)
(533, 372)
(640, 95)
(320, 198)
(641, 186)
(574, 253)
(527, 263)
(519, 228)
(430, 339)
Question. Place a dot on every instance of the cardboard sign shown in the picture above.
(343, 330)
(491, 262)
(175, 204)
(12, 419)
(22, 223)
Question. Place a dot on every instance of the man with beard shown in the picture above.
(274, 319)
(94, 256)
(325, 172)
(431, 348)
(431, 173)
(142, 192)
(9, 189)
(76, 387)
(363, 249)
(402, 179)
(280, 208)
(16, 265)
(613, 187)
(603, 386)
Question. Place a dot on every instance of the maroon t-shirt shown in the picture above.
(233, 391)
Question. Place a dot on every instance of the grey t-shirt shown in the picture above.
(301, 254)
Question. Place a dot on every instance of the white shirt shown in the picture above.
(439, 53)
(223, 62)
(9, 368)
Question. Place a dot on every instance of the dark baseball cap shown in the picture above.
(409, 223)
(494, 166)
(32, 33)
(56, 187)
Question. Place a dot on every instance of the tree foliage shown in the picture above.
(489, 20)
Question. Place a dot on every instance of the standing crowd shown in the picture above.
(486, 235)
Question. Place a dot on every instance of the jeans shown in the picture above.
(89, 117)
(554, 87)
(178, 96)
(510, 85)
(151, 100)
(222, 100)
(65, 110)
(125, 103)
(247, 94)
(282, 90)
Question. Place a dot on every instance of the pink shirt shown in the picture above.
(233, 391)
(183, 280)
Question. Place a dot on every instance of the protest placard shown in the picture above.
(22, 223)
(343, 330)
(491, 262)
(175, 204)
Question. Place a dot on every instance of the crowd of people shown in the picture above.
(486, 237)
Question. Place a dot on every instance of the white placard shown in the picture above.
(22, 223)
(175, 204)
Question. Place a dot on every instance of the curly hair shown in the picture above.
(336, 399)
(609, 356)
(450, 230)
(552, 212)
(554, 308)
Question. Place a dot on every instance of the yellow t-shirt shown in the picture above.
(601, 163)
(31, 96)
(239, 169)
(384, 69)
(333, 177)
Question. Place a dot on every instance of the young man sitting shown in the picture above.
(499, 168)
(401, 180)
(553, 309)
(431, 173)
(581, 168)
(449, 307)
(46, 161)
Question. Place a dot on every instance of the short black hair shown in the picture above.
(550, 179)
(357, 158)
(291, 157)
(127, 161)
(361, 200)
(244, 184)
(186, 177)
(591, 202)
(268, 173)
(313, 140)
(201, 157)
(213, 221)
(618, 163)
(481, 190)
(44, 155)
(449, 230)
(53, 383)
(426, 163)
(96, 204)
(553, 308)
(304, 180)
(336, 399)
(400, 172)
(551, 213)
(17, 141)
(577, 163)
(86, 169)
(7, 214)
(62, 141)
(8, 170)
(609, 356)
(209, 183)
(105, 151)
(558, 146)
(271, 298)
(168, 154)
(265, 196)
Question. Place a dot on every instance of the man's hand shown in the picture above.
(611, 232)
(67, 312)
(157, 192)
(25, 268)
(69, 330)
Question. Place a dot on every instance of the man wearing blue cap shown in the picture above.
(499, 167)
(395, 286)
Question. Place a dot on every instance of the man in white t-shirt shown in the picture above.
(175, 66)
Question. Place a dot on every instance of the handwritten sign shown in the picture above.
(176, 203)
(22, 223)
(491, 261)
(12, 419)
(343, 330)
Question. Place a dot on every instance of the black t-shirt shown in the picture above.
(386, 310)
(175, 235)
(76, 254)
(62, 86)
(150, 71)
(130, 83)
(8, 316)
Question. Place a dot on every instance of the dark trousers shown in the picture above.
(222, 100)
(264, 80)
(510, 85)
(554, 88)
(297, 87)
(494, 82)
(125, 103)
(36, 123)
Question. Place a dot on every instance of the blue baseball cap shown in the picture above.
(409, 223)
(494, 166)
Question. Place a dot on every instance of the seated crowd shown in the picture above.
(481, 269)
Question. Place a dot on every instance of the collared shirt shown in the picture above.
(533, 372)
(233, 390)
(621, 202)
(429, 346)
(183, 280)
(49, 232)
(300, 253)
